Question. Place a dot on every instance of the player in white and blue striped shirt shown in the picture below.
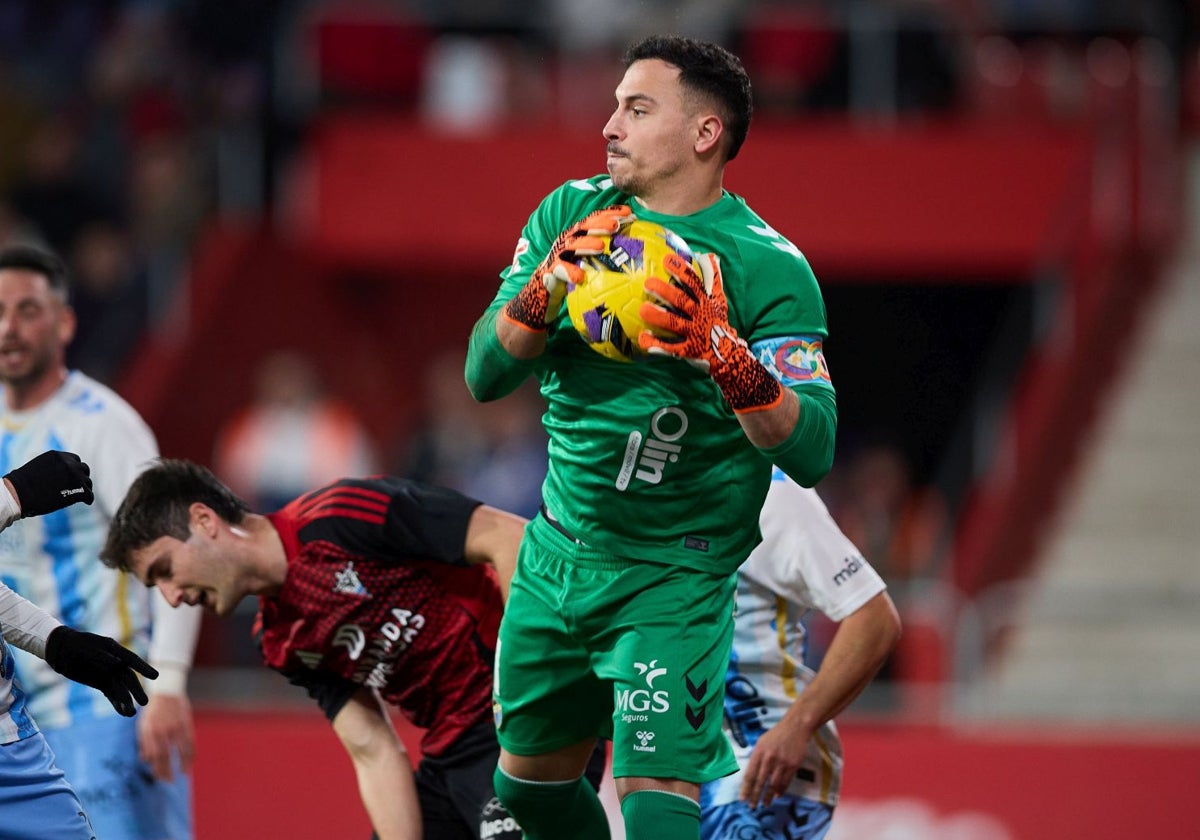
(36, 802)
(778, 712)
(53, 561)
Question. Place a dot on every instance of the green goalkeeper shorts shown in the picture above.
(597, 645)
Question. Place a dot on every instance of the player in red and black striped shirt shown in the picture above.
(368, 588)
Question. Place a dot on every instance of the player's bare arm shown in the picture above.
(385, 777)
(493, 538)
(859, 647)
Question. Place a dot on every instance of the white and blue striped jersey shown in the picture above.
(25, 626)
(15, 721)
(804, 562)
(53, 560)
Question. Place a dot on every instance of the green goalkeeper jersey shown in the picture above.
(646, 459)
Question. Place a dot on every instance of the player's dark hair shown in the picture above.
(41, 261)
(707, 69)
(157, 506)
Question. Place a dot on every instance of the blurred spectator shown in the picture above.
(108, 294)
(13, 227)
(495, 452)
(50, 192)
(103, 102)
(167, 206)
(18, 117)
(577, 28)
(883, 58)
(293, 436)
(898, 525)
(895, 523)
(50, 42)
(510, 474)
(789, 51)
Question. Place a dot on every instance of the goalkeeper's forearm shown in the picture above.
(769, 427)
(492, 371)
(806, 453)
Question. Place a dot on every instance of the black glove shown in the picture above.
(100, 662)
(50, 482)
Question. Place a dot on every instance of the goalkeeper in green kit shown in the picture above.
(620, 617)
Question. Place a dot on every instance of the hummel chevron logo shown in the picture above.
(695, 718)
(697, 691)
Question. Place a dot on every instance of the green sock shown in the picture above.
(660, 815)
(553, 810)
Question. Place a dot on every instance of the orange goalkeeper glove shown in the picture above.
(695, 309)
(539, 301)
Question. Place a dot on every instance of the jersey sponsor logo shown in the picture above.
(490, 828)
(352, 638)
(649, 670)
(394, 637)
(853, 564)
(644, 737)
(309, 658)
(635, 704)
(346, 581)
(496, 820)
(647, 459)
(794, 360)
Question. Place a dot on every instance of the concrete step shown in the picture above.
(1109, 626)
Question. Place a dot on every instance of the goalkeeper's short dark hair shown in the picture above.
(40, 261)
(709, 70)
(157, 505)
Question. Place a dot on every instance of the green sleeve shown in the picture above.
(491, 372)
(807, 454)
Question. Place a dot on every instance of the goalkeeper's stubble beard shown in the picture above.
(619, 169)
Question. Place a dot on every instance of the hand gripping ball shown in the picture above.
(604, 307)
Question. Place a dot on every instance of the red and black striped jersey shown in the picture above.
(378, 594)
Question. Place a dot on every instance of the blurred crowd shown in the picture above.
(104, 114)
(127, 126)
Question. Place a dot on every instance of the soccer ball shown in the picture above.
(604, 307)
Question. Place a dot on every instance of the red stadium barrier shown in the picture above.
(265, 775)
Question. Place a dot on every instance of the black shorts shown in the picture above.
(456, 794)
